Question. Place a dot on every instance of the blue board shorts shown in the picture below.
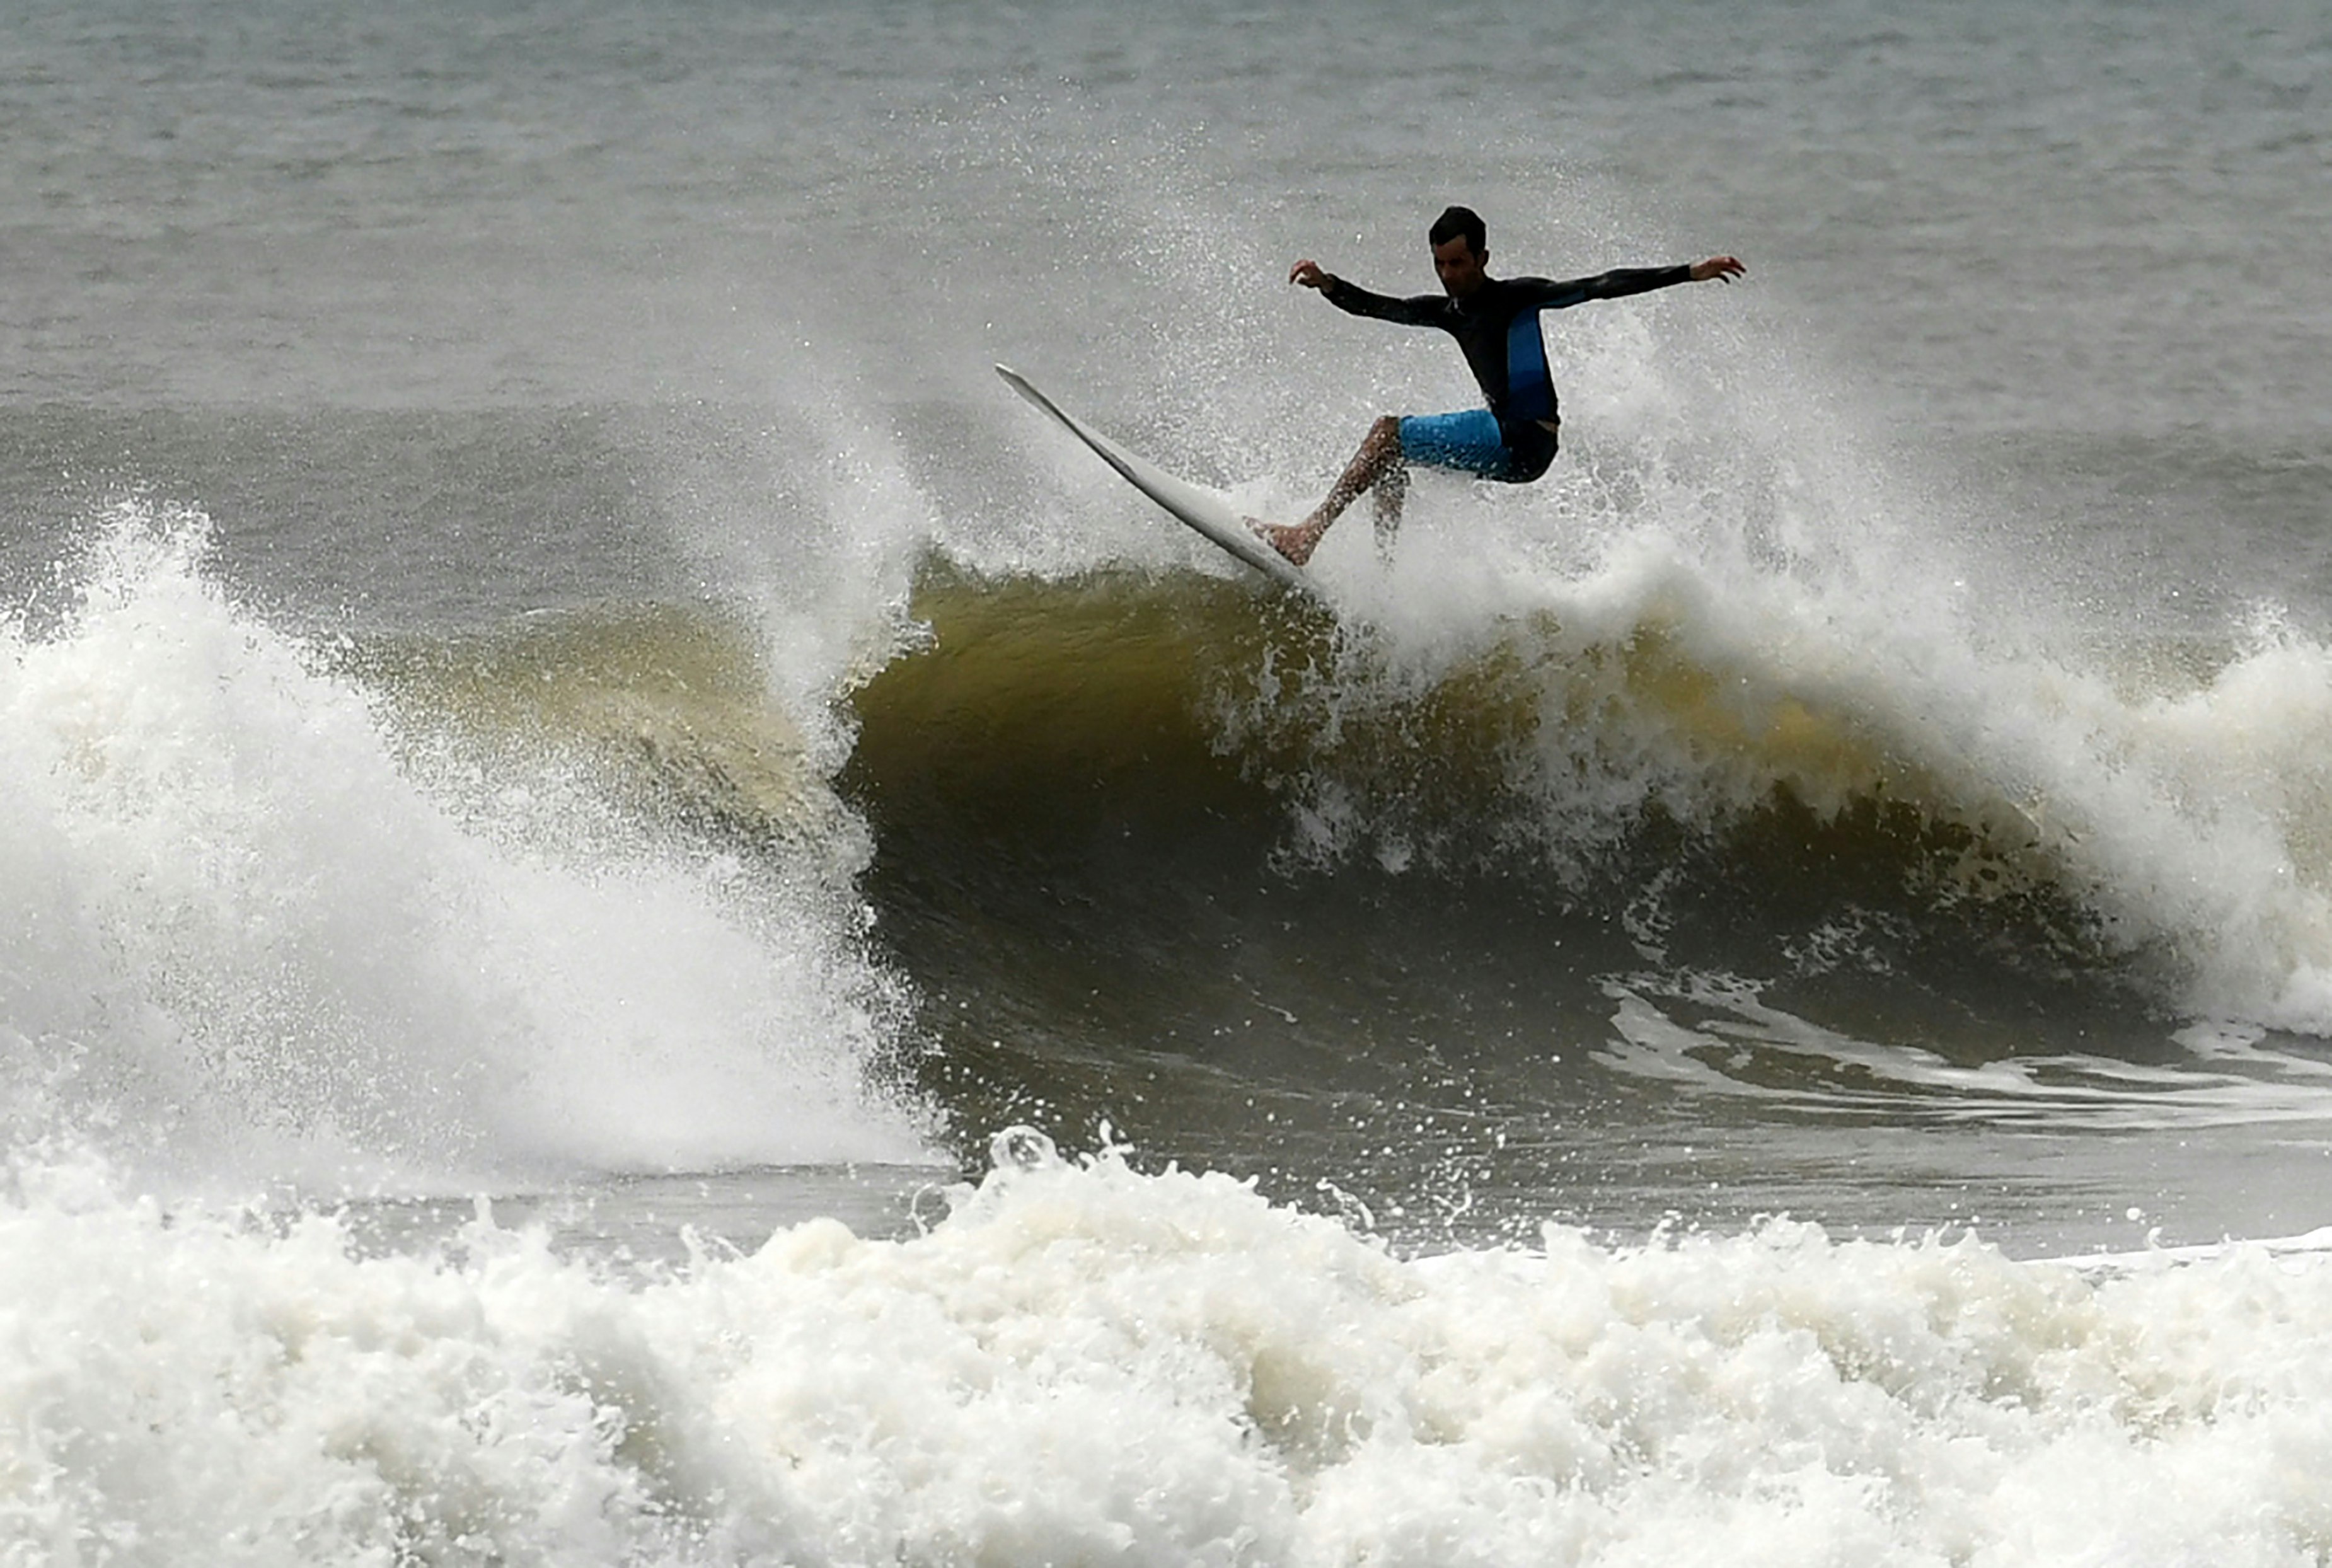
(1470, 442)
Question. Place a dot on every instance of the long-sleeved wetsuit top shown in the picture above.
(1496, 325)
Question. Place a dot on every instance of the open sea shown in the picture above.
(643, 923)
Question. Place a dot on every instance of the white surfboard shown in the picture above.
(1199, 510)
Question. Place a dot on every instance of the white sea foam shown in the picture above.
(241, 944)
(1084, 1363)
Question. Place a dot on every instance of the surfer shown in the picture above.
(1496, 323)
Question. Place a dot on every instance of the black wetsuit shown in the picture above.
(1497, 328)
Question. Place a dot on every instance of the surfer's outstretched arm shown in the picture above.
(1421, 310)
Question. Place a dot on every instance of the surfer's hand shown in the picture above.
(1308, 273)
(1726, 268)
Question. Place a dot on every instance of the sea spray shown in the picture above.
(248, 944)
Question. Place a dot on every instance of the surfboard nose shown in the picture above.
(1196, 508)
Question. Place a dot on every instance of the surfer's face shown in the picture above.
(1459, 266)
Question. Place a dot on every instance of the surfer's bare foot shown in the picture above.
(1295, 543)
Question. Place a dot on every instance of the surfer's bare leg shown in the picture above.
(1379, 456)
(1392, 489)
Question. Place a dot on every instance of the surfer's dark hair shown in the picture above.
(1456, 221)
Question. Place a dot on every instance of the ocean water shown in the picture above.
(645, 923)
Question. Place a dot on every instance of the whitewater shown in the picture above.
(1087, 1364)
